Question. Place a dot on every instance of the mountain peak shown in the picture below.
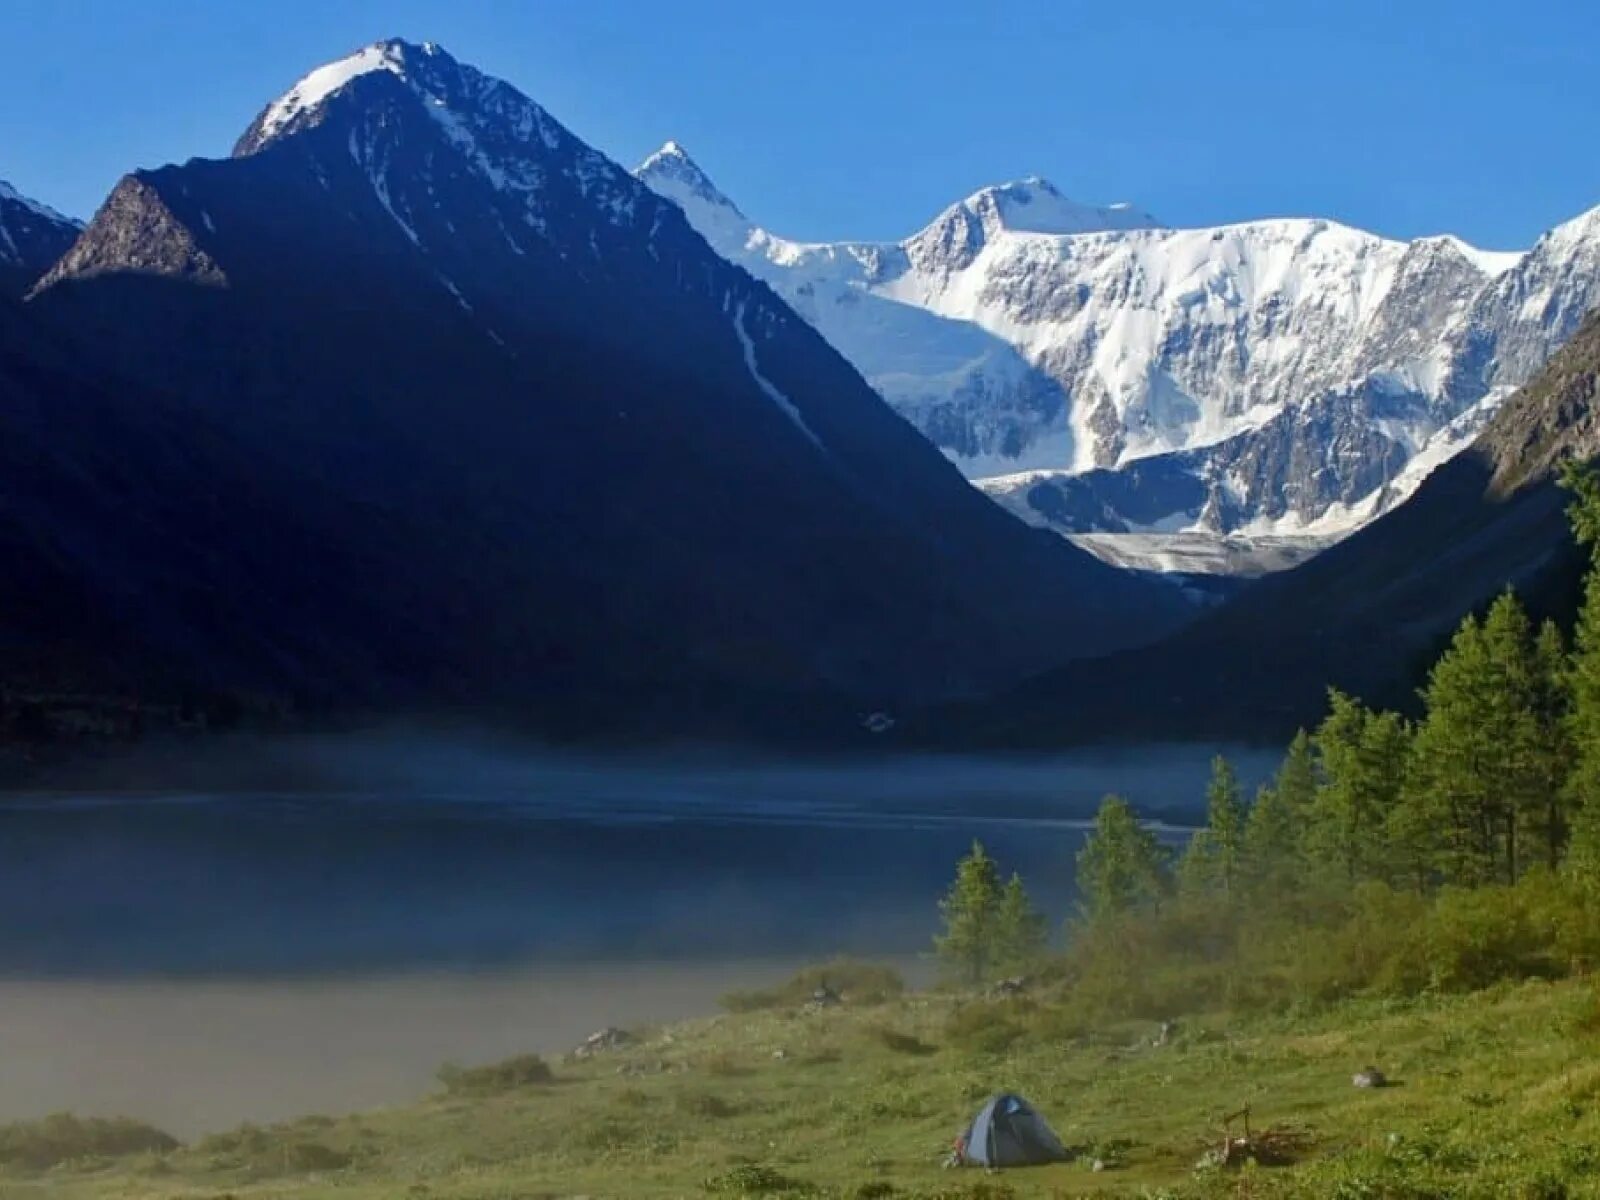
(1492, 263)
(672, 173)
(10, 195)
(1035, 205)
(32, 237)
(295, 107)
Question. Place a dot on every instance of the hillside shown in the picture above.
(1494, 1098)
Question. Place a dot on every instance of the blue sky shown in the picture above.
(831, 119)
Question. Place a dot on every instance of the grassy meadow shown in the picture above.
(1493, 1094)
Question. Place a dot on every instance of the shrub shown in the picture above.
(1058, 1022)
(989, 1028)
(706, 1104)
(752, 1179)
(1479, 936)
(313, 1156)
(900, 1043)
(855, 982)
(280, 1148)
(723, 1064)
(62, 1138)
(526, 1070)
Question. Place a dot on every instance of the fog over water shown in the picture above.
(317, 924)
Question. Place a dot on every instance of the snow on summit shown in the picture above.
(327, 79)
(10, 195)
(1035, 205)
(671, 173)
(32, 237)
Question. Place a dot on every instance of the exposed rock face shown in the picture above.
(32, 237)
(1553, 420)
(135, 232)
(1278, 377)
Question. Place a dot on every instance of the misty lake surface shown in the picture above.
(316, 926)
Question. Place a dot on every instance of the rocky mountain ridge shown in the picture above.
(1097, 371)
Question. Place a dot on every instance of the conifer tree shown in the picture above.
(1550, 817)
(1361, 758)
(970, 910)
(1019, 928)
(1519, 769)
(1414, 827)
(1214, 858)
(1451, 784)
(1196, 871)
(1296, 781)
(1582, 795)
(1121, 866)
(1271, 842)
(1275, 832)
(1481, 755)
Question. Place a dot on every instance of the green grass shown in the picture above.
(1497, 1095)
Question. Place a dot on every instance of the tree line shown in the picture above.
(1497, 778)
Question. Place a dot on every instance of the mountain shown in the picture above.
(1098, 372)
(467, 416)
(1368, 615)
(32, 237)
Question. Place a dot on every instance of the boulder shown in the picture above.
(823, 997)
(1014, 986)
(609, 1038)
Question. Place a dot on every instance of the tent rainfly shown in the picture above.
(1009, 1132)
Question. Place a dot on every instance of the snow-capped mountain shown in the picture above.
(1097, 371)
(32, 237)
(1370, 613)
(476, 417)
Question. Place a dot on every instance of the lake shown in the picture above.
(318, 924)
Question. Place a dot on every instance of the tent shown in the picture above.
(1008, 1132)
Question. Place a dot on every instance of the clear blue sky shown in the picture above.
(862, 118)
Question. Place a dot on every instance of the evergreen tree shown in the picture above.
(1582, 483)
(1196, 873)
(1275, 832)
(1484, 757)
(1361, 758)
(1582, 793)
(1271, 843)
(1582, 724)
(1121, 865)
(970, 910)
(1296, 781)
(1550, 817)
(1019, 928)
(1451, 784)
(1414, 827)
(1519, 769)
(1214, 858)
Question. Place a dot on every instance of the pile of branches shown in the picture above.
(1275, 1146)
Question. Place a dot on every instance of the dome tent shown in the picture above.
(1008, 1132)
